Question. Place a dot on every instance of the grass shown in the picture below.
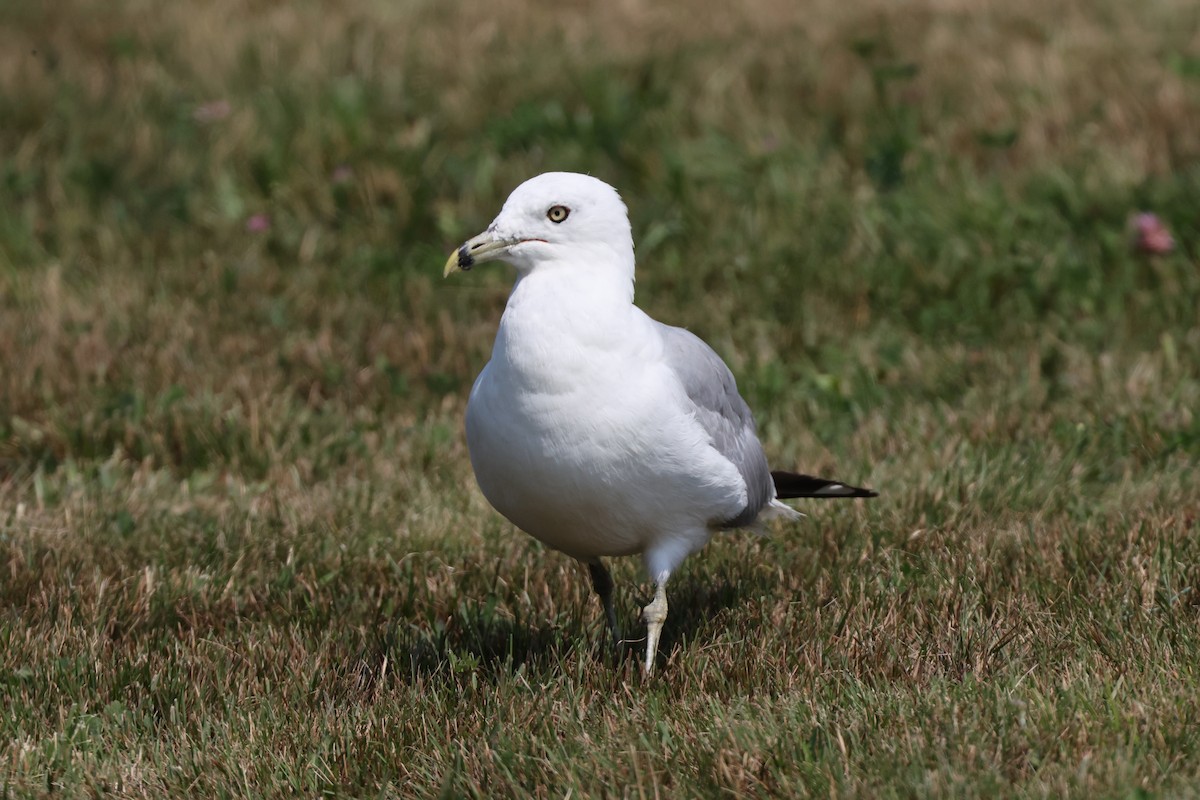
(241, 550)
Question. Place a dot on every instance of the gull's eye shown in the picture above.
(557, 213)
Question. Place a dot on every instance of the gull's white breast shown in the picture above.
(582, 437)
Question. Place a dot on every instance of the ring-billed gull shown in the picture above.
(595, 428)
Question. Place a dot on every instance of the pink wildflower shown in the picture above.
(1150, 235)
(258, 223)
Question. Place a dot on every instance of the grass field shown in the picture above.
(241, 548)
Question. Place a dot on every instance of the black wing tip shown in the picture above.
(792, 484)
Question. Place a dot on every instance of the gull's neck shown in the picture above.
(595, 277)
(560, 311)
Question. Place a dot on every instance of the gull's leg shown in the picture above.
(655, 615)
(602, 582)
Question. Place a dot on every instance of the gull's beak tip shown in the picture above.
(460, 259)
(484, 247)
(451, 265)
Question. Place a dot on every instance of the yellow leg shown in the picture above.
(655, 615)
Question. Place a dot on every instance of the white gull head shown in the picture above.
(556, 220)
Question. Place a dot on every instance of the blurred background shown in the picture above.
(232, 209)
(949, 249)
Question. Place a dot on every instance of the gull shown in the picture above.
(595, 428)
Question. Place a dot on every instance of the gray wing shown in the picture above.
(723, 414)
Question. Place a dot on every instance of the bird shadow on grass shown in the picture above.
(479, 640)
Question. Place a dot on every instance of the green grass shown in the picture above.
(241, 549)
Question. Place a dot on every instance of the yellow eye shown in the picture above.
(557, 213)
